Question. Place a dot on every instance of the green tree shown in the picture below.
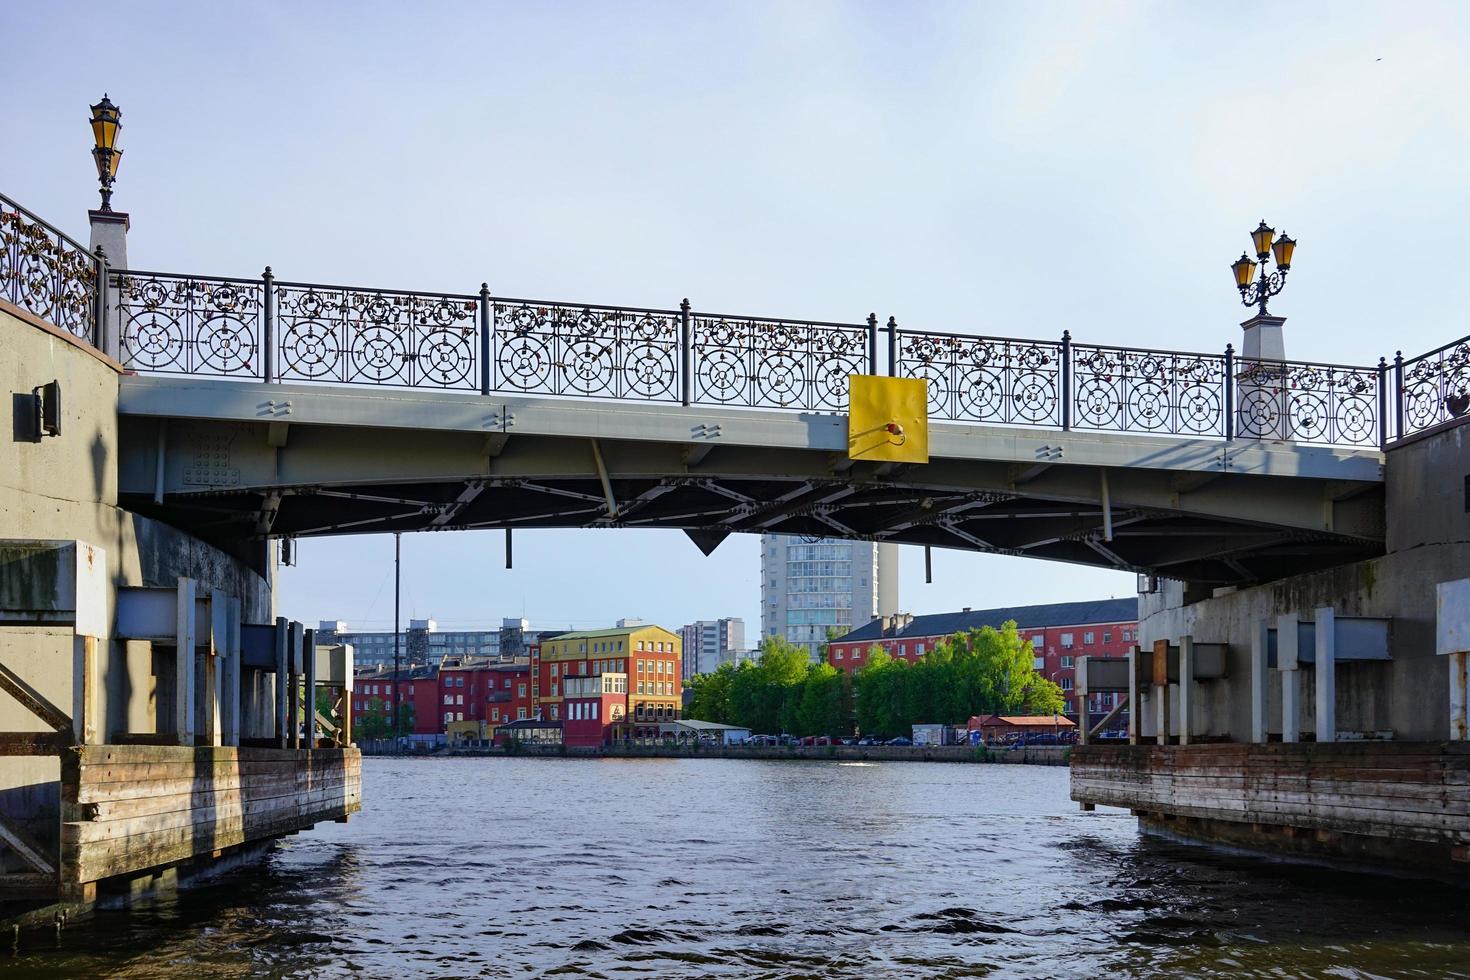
(825, 704)
(711, 695)
(764, 695)
(377, 722)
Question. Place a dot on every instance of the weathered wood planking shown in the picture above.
(129, 808)
(1407, 791)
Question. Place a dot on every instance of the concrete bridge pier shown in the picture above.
(1334, 726)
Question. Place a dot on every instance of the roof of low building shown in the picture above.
(610, 631)
(702, 726)
(1022, 721)
(1095, 611)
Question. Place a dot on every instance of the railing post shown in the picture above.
(484, 338)
(872, 343)
(1398, 394)
(1067, 382)
(892, 347)
(1229, 391)
(101, 338)
(686, 352)
(268, 328)
(1382, 403)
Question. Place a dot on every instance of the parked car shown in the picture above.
(901, 740)
(870, 740)
(848, 741)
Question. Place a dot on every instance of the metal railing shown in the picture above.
(265, 330)
(48, 273)
(288, 331)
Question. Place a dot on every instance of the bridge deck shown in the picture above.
(300, 460)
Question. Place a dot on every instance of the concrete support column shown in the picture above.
(1326, 675)
(1161, 691)
(1135, 709)
(184, 642)
(1186, 687)
(310, 706)
(84, 690)
(1459, 696)
(1452, 641)
(231, 713)
(1260, 651)
(1286, 663)
(1084, 714)
(293, 687)
(281, 681)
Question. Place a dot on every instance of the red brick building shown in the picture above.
(491, 691)
(1057, 632)
(418, 686)
(594, 707)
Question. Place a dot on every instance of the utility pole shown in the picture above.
(397, 593)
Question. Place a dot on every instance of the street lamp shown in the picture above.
(1253, 291)
(106, 121)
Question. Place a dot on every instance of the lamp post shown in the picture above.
(106, 121)
(1253, 291)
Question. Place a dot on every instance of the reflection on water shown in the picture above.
(713, 868)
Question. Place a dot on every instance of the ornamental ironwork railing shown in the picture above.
(592, 351)
(264, 330)
(1331, 404)
(985, 379)
(1432, 388)
(1137, 390)
(190, 325)
(369, 336)
(45, 272)
(768, 363)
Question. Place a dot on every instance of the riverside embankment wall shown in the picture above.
(1035, 755)
(65, 488)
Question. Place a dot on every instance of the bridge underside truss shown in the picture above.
(384, 481)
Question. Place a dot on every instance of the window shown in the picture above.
(522, 691)
(553, 712)
(594, 710)
(553, 690)
(448, 717)
(620, 667)
(507, 683)
(554, 668)
(1038, 663)
(836, 654)
(640, 687)
(521, 714)
(1066, 683)
(1107, 636)
(494, 714)
(449, 699)
(459, 716)
(620, 650)
(1038, 641)
(1066, 640)
(1089, 638)
(1066, 662)
(640, 646)
(920, 650)
(1127, 636)
(641, 665)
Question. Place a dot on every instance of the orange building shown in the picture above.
(649, 656)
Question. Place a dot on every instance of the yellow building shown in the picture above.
(651, 656)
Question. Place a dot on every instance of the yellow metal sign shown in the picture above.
(888, 419)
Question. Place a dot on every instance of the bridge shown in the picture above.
(256, 408)
(259, 408)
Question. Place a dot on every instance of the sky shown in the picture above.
(1009, 169)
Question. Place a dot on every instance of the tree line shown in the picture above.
(983, 671)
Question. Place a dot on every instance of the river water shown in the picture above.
(722, 868)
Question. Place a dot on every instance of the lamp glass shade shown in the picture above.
(1283, 248)
(1244, 269)
(107, 162)
(1261, 237)
(106, 121)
